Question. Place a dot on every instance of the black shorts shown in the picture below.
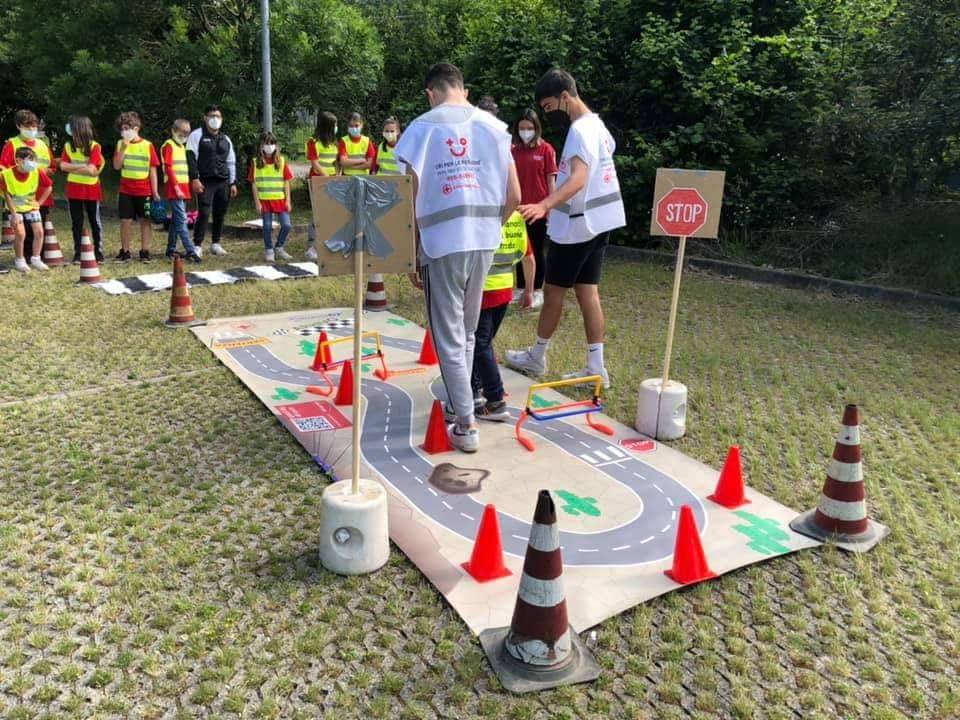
(131, 207)
(577, 264)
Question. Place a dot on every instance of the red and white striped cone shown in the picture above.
(89, 270)
(7, 239)
(540, 650)
(841, 514)
(181, 309)
(51, 246)
(376, 298)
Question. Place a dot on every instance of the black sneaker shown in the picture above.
(493, 412)
(76, 259)
(123, 256)
(193, 257)
(144, 256)
(171, 254)
(98, 254)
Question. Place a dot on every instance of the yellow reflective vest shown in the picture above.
(179, 166)
(76, 156)
(326, 155)
(23, 192)
(387, 161)
(136, 160)
(39, 148)
(356, 151)
(269, 180)
(510, 252)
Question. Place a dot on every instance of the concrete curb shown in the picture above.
(797, 281)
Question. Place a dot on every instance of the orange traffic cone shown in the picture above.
(841, 514)
(52, 255)
(376, 298)
(428, 356)
(89, 270)
(322, 355)
(437, 440)
(181, 309)
(730, 489)
(689, 562)
(486, 560)
(345, 389)
(540, 650)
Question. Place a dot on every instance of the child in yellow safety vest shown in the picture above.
(357, 152)
(387, 161)
(82, 160)
(176, 173)
(24, 189)
(497, 294)
(322, 152)
(270, 177)
(137, 161)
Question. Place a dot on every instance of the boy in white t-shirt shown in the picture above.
(466, 188)
(582, 210)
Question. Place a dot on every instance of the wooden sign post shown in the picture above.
(686, 203)
(370, 218)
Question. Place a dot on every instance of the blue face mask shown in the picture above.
(354, 131)
(68, 130)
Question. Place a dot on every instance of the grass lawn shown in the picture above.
(158, 527)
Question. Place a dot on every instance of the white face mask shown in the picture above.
(527, 135)
(29, 133)
(181, 139)
(68, 129)
(269, 149)
(128, 134)
(214, 123)
(29, 165)
(390, 136)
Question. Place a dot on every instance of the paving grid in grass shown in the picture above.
(157, 539)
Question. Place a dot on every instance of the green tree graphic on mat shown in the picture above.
(308, 348)
(281, 393)
(575, 505)
(764, 534)
(539, 403)
(398, 322)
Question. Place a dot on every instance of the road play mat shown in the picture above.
(162, 281)
(618, 496)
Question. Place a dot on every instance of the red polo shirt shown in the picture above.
(534, 166)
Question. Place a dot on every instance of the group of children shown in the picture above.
(27, 164)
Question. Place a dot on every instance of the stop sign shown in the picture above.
(682, 212)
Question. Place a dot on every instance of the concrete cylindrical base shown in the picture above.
(662, 412)
(353, 528)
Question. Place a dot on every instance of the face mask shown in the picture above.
(558, 119)
(28, 133)
(527, 135)
(390, 137)
(67, 129)
(29, 165)
(181, 139)
(269, 149)
(335, 129)
(128, 135)
(354, 131)
(214, 123)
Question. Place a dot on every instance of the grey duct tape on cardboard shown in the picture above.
(367, 199)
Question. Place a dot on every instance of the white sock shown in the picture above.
(539, 351)
(595, 357)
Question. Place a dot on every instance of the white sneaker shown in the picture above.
(20, 265)
(37, 264)
(311, 252)
(268, 255)
(587, 372)
(198, 249)
(537, 299)
(517, 295)
(525, 362)
(468, 441)
(283, 254)
(217, 249)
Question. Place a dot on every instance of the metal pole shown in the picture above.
(267, 88)
(357, 342)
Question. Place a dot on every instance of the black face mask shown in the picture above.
(558, 119)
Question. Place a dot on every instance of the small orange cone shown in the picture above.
(322, 355)
(89, 270)
(345, 389)
(437, 440)
(730, 489)
(689, 562)
(51, 246)
(181, 309)
(486, 560)
(428, 356)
